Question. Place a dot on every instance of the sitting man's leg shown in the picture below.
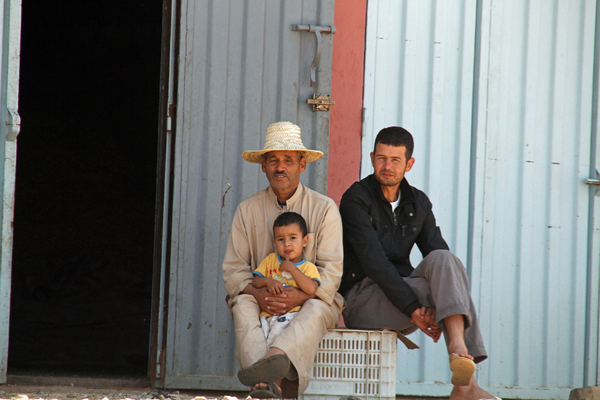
(440, 281)
(300, 340)
(251, 344)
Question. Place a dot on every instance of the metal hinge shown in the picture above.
(170, 115)
(13, 125)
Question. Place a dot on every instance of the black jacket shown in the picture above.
(377, 242)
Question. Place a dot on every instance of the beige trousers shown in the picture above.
(299, 340)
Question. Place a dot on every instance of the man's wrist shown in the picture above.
(249, 289)
(410, 309)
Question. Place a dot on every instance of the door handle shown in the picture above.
(317, 29)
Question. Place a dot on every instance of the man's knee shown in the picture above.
(244, 306)
(444, 258)
(317, 308)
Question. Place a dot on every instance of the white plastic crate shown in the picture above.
(354, 363)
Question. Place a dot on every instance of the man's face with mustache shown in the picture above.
(283, 170)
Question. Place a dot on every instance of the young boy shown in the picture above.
(286, 268)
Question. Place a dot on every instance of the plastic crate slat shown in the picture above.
(354, 363)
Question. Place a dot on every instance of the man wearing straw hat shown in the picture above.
(283, 158)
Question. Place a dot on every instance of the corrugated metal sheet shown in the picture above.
(532, 224)
(419, 75)
(241, 67)
(499, 97)
(10, 31)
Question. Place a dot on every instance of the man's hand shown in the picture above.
(424, 319)
(281, 304)
(278, 304)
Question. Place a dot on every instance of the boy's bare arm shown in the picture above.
(259, 281)
(308, 286)
(272, 285)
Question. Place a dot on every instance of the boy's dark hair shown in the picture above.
(396, 136)
(289, 218)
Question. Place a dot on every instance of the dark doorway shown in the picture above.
(86, 184)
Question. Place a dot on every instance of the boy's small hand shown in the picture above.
(274, 287)
(287, 265)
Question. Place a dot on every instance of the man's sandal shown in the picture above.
(462, 370)
(272, 392)
(272, 369)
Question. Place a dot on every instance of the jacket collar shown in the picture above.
(406, 193)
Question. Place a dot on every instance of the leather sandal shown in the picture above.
(271, 369)
(462, 369)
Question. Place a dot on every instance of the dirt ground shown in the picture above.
(18, 392)
(30, 388)
(98, 390)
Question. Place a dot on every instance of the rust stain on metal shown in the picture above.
(223, 199)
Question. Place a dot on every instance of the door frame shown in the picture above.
(9, 130)
(164, 191)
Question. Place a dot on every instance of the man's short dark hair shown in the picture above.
(396, 136)
(289, 218)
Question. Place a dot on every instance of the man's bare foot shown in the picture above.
(472, 391)
(266, 390)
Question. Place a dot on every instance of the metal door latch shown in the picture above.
(595, 182)
(317, 29)
(320, 102)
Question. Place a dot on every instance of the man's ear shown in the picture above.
(263, 163)
(302, 164)
(373, 159)
(410, 163)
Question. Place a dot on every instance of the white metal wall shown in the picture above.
(241, 67)
(499, 96)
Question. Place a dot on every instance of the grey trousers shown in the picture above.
(439, 281)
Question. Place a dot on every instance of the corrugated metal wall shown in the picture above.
(499, 96)
(241, 67)
(532, 227)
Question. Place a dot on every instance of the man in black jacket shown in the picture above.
(383, 217)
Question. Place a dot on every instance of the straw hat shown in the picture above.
(282, 136)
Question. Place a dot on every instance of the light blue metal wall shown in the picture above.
(419, 74)
(499, 96)
(241, 67)
(532, 221)
(10, 34)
